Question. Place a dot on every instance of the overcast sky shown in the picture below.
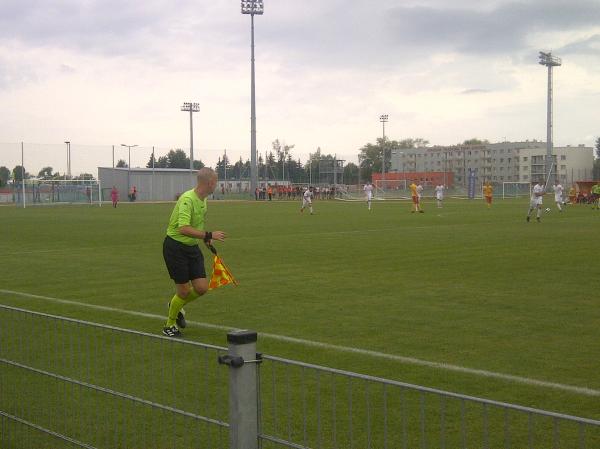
(104, 72)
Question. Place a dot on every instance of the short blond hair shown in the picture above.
(205, 175)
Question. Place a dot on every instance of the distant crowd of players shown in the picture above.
(535, 204)
(307, 194)
(290, 192)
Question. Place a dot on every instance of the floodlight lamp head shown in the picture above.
(252, 7)
(383, 118)
(548, 60)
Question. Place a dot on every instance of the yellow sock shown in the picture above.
(177, 304)
(192, 295)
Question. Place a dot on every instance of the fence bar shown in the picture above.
(47, 431)
(243, 394)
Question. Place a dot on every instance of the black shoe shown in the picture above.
(538, 219)
(171, 331)
(180, 320)
(527, 218)
(421, 211)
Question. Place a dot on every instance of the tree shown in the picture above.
(351, 173)
(178, 159)
(45, 173)
(121, 163)
(152, 162)
(475, 141)
(4, 176)
(596, 169)
(162, 162)
(370, 154)
(85, 177)
(18, 173)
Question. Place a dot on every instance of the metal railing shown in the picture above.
(86, 385)
(89, 385)
(311, 406)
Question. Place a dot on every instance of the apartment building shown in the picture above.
(497, 162)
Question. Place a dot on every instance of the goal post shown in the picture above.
(34, 192)
(515, 189)
(390, 188)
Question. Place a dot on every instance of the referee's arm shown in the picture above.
(190, 231)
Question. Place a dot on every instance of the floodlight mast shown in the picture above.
(191, 108)
(549, 61)
(383, 119)
(252, 7)
(129, 147)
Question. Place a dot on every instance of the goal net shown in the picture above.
(391, 188)
(515, 189)
(54, 191)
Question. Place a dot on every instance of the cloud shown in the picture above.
(503, 29)
(475, 91)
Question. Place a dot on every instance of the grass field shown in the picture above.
(461, 286)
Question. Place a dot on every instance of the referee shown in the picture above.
(182, 255)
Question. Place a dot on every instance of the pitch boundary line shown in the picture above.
(375, 354)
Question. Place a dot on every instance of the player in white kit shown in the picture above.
(307, 200)
(439, 194)
(558, 194)
(368, 188)
(536, 200)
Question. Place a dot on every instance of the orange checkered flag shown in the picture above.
(221, 275)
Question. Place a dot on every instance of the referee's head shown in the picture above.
(207, 180)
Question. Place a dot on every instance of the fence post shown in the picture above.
(243, 393)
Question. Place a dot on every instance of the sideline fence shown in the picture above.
(86, 385)
(71, 383)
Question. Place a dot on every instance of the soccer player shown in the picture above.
(114, 196)
(573, 194)
(596, 193)
(415, 192)
(488, 192)
(181, 252)
(558, 194)
(368, 188)
(536, 200)
(307, 200)
(439, 195)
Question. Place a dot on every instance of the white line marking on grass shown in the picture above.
(300, 341)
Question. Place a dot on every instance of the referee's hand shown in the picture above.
(218, 235)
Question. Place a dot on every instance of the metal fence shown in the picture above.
(67, 383)
(87, 385)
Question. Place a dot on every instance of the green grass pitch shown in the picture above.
(462, 285)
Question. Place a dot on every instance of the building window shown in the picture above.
(563, 157)
(563, 167)
(525, 177)
(501, 178)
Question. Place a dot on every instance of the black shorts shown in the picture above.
(184, 262)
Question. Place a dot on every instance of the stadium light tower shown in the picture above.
(191, 108)
(383, 119)
(549, 61)
(68, 172)
(129, 147)
(252, 7)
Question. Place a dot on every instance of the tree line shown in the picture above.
(276, 164)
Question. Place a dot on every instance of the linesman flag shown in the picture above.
(220, 275)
